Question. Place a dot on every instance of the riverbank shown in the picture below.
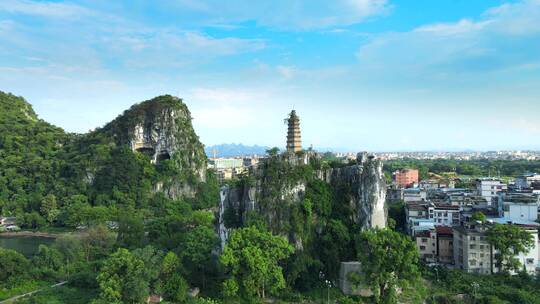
(30, 233)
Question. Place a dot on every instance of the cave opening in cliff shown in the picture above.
(146, 151)
(164, 155)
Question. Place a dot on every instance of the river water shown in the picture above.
(26, 245)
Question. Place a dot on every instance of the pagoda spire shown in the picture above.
(294, 140)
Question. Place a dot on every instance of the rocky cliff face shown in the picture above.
(364, 182)
(161, 128)
(366, 179)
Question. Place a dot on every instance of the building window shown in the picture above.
(424, 240)
(472, 246)
(422, 247)
(530, 261)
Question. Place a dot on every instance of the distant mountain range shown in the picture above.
(232, 150)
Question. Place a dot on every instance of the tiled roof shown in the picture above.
(444, 230)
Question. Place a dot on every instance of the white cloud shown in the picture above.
(526, 126)
(463, 26)
(6, 25)
(236, 106)
(287, 72)
(287, 14)
(43, 9)
(226, 95)
(224, 117)
(499, 40)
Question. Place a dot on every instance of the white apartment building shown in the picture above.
(414, 195)
(489, 188)
(444, 214)
(519, 207)
(473, 253)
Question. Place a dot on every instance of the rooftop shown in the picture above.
(445, 206)
(417, 207)
(444, 230)
(523, 198)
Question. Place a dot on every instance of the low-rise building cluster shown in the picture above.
(444, 222)
(229, 168)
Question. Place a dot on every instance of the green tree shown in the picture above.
(196, 252)
(252, 259)
(13, 265)
(319, 194)
(49, 208)
(152, 259)
(32, 220)
(509, 241)
(479, 216)
(174, 286)
(332, 246)
(70, 247)
(122, 279)
(97, 242)
(48, 262)
(389, 261)
(130, 230)
(273, 152)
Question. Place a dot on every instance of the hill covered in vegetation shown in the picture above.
(147, 155)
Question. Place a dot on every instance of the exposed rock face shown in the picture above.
(365, 180)
(369, 189)
(161, 128)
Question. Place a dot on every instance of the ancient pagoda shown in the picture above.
(294, 142)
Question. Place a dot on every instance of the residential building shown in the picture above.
(414, 195)
(426, 242)
(445, 245)
(489, 188)
(405, 178)
(444, 214)
(518, 207)
(463, 199)
(225, 163)
(472, 252)
(430, 184)
(394, 195)
(436, 245)
(416, 216)
(526, 180)
(8, 221)
(250, 161)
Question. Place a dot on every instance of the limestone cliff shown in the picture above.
(161, 128)
(366, 179)
(272, 192)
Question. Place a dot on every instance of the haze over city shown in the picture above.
(379, 75)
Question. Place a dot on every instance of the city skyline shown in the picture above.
(377, 75)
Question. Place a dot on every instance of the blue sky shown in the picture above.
(375, 75)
